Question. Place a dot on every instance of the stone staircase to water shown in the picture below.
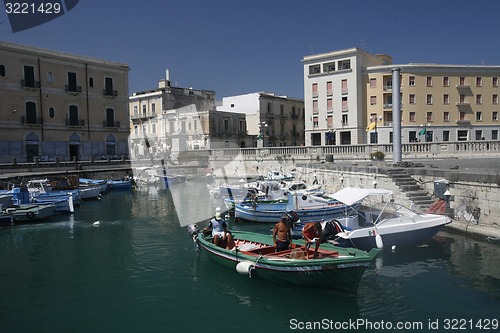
(411, 188)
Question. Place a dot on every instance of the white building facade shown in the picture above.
(273, 121)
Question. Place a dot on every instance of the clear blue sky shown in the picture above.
(237, 47)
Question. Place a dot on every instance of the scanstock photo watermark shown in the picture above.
(439, 325)
(27, 14)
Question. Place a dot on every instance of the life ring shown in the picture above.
(30, 215)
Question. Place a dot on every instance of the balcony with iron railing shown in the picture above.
(110, 124)
(110, 93)
(73, 89)
(31, 120)
(30, 84)
(75, 122)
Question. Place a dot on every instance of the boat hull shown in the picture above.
(364, 239)
(343, 273)
(273, 213)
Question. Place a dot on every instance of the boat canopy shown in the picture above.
(352, 195)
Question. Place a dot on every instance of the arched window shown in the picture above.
(91, 82)
(52, 112)
(2, 71)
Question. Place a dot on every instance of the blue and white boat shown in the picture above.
(119, 184)
(308, 207)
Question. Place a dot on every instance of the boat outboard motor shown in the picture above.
(193, 231)
(294, 217)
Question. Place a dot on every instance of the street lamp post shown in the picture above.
(376, 120)
(262, 126)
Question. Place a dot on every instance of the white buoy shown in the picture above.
(378, 241)
(96, 224)
(244, 267)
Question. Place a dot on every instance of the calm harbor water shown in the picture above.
(139, 272)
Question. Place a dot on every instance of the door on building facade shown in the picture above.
(110, 145)
(74, 146)
(32, 145)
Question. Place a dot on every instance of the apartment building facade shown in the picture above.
(439, 103)
(169, 120)
(272, 120)
(58, 105)
(348, 99)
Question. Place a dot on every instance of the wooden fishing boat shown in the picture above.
(254, 255)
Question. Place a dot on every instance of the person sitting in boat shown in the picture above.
(282, 234)
(312, 235)
(222, 237)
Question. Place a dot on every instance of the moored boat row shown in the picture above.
(39, 199)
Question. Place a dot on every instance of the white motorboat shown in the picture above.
(376, 215)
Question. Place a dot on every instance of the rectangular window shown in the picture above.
(429, 98)
(446, 99)
(330, 67)
(329, 104)
(153, 108)
(315, 106)
(144, 110)
(461, 81)
(461, 99)
(373, 100)
(329, 88)
(411, 81)
(494, 134)
(494, 81)
(479, 99)
(315, 122)
(479, 81)
(429, 117)
(446, 135)
(446, 116)
(344, 86)
(329, 121)
(373, 83)
(494, 99)
(446, 81)
(344, 104)
(494, 116)
(269, 108)
(479, 135)
(479, 116)
(411, 99)
(429, 81)
(315, 90)
(345, 120)
(462, 135)
(72, 86)
(461, 115)
(314, 69)
(413, 117)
